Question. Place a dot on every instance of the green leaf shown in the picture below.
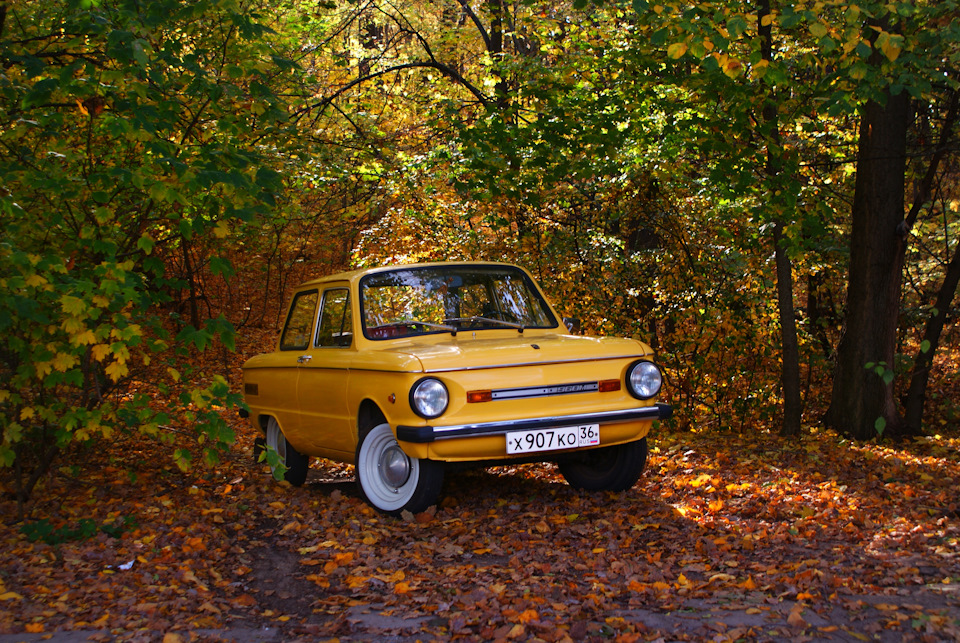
(819, 30)
(73, 305)
(737, 26)
(146, 243)
(222, 267)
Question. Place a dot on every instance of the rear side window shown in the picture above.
(296, 332)
(336, 326)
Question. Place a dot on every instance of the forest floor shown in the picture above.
(725, 537)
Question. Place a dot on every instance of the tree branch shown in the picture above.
(476, 23)
(926, 185)
(446, 70)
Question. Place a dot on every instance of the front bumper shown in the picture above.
(427, 434)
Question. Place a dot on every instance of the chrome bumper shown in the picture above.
(424, 434)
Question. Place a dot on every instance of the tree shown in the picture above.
(130, 134)
(902, 66)
(863, 395)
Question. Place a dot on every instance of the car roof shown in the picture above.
(354, 275)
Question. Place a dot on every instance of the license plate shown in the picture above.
(568, 437)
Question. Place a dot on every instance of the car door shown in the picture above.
(326, 421)
(279, 390)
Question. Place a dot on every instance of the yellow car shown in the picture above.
(399, 370)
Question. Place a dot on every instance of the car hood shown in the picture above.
(502, 353)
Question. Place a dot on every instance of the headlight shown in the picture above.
(429, 398)
(644, 380)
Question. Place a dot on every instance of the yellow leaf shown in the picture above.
(396, 576)
(116, 370)
(84, 338)
(100, 352)
(529, 615)
(401, 588)
(767, 20)
(26, 413)
(63, 362)
(322, 581)
(35, 280)
(677, 50)
(10, 596)
(222, 229)
(732, 68)
(343, 558)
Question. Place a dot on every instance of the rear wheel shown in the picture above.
(613, 468)
(295, 462)
(392, 481)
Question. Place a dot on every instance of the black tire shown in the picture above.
(390, 480)
(295, 462)
(613, 468)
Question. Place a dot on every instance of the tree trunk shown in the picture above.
(789, 346)
(913, 415)
(920, 374)
(862, 403)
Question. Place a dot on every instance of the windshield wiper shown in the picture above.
(490, 320)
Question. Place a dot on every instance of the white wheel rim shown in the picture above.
(276, 441)
(387, 475)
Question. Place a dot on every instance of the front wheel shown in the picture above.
(295, 462)
(613, 468)
(392, 481)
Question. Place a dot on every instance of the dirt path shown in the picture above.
(716, 543)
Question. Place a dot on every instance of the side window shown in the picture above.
(296, 332)
(336, 325)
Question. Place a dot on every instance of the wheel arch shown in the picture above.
(368, 417)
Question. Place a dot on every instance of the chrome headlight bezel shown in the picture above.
(429, 398)
(644, 379)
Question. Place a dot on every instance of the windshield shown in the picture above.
(436, 299)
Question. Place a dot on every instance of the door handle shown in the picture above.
(303, 359)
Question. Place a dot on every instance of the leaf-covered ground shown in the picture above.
(725, 537)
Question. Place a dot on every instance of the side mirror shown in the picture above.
(572, 324)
